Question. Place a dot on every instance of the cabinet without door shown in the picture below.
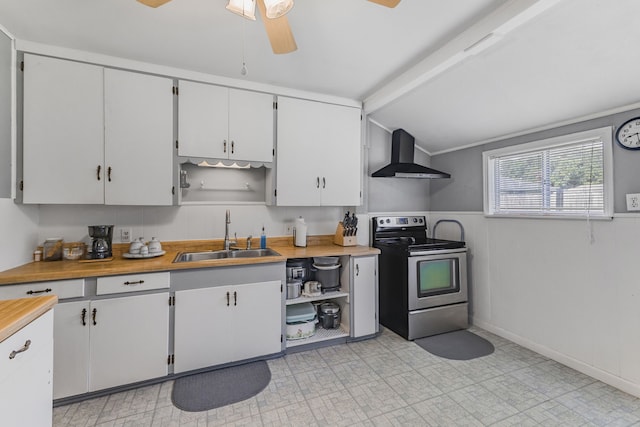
(318, 154)
(87, 130)
(224, 123)
(226, 323)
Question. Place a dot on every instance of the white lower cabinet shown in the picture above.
(227, 323)
(110, 342)
(364, 291)
(26, 377)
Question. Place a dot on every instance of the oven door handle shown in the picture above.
(436, 252)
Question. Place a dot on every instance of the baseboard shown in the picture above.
(592, 371)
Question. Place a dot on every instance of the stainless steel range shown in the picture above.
(423, 281)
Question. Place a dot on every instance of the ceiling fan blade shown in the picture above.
(388, 3)
(154, 3)
(278, 31)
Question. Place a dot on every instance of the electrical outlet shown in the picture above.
(288, 229)
(633, 202)
(125, 235)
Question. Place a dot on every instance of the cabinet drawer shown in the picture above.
(71, 288)
(132, 283)
(39, 333)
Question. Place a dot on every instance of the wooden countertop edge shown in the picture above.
(60, 270)
(15, 314)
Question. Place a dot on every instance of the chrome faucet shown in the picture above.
(249, 241)
(227, 241)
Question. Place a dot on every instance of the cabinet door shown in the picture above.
(318, 154)
(26, 378)
(364, 296)
(299, 142)
(257, 319)
(138, 139)
(203, 124)
(250, 126)
(129, 340)
(341, 174)
(71, 348)
(63, 132)
(203, 328)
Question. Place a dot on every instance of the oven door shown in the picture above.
(437, 279)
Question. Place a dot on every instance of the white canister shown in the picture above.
(300, 233)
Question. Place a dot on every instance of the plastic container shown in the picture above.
(301, 321)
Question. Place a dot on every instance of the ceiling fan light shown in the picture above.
(244, 8)
(277, 8)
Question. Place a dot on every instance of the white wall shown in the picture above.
(18, 233)
(544, 284)
(192, 222)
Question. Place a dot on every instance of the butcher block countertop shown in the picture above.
(18, 313)
(58, 270)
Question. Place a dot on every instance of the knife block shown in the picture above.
(340, 239)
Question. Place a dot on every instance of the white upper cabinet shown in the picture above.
(223, 123)
(138, 138)
(63, 133)
(318, 154)
(95, 136)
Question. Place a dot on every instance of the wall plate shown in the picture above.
(633, 202)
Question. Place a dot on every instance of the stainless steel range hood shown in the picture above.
(402, 165)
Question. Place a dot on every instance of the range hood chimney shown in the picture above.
(402, 165)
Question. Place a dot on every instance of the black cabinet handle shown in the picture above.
(94, 313)
(227, 299)
(357, 269)
(43, 291)
(109, 174)
(324, 182)
(98, 172)
(25, 347)
(224, 146)
(317, 182)
(235, 298)
(233, 146)
(139, 282)
(83, 315)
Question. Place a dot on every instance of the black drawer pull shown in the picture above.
(25, 347)
(83, 315)
(139, 282)
(43, 291)
(94, 313)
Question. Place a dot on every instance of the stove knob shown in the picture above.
(388, 220)
(421, 220)
(382, 221)
(415, 219)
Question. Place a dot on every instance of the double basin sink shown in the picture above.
(224, 254)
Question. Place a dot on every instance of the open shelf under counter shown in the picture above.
(321, 334)
(328, 295)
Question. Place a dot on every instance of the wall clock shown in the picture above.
(628, 134)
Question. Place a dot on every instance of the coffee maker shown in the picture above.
(101, 238)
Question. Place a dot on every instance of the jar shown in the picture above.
(37, 255)
(52, 249)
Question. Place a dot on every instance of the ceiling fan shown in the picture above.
(273, 13)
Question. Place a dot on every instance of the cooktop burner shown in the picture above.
(407, 234)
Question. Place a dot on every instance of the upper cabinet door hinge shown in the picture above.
(172, 300)
(275, 105)
(21, 65)
(177, 144)
(171, 359)
(21, 185)
(174, 90)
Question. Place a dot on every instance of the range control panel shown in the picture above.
(399, 222)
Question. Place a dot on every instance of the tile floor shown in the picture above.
(387, 381)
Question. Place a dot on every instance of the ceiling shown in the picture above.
(554, 60)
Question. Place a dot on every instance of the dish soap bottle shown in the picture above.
(263, 239)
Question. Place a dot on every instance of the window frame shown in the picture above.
(604, 133)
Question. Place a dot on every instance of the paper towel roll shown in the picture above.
(300, 233)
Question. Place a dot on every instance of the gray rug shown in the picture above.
(456, 345)
(213, 389)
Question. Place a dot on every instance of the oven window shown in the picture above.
(437, 277)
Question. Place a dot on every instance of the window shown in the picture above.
(566, 176)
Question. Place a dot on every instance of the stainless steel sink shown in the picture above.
(233, 253)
